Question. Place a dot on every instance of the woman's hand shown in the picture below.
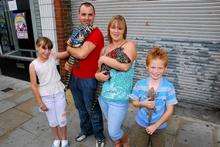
(102, 59)
(101, 76)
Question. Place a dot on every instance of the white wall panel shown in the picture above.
(47, 17)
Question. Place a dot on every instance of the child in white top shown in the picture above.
(49, 93)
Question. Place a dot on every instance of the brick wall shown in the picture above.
(63, 25)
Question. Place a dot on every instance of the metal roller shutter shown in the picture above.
(188, 29)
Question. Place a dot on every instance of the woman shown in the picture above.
(118, 82)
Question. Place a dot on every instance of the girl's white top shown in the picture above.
(48, 76)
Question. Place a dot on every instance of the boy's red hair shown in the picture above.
(157, 53)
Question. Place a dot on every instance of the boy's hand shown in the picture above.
(148, 104)
(151, 129)
(135, 103)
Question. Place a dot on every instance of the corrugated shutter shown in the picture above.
(189, 30)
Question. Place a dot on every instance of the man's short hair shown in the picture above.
(87, 4)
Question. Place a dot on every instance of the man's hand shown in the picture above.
(68, 48)
(68, 41)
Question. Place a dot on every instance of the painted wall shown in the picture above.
(47, 19)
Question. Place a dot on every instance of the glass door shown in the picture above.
(6, 40)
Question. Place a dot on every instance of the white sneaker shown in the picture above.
(56, 143)
(64, 143)
(100, 143)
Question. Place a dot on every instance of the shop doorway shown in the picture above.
(17, 38)
(6, 40)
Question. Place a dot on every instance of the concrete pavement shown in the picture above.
(22, 125)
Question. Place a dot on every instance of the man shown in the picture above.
(83, 83)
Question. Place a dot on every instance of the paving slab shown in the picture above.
(44, 140)
(29, 107)
(18, 138)
(195, 134)
(37, 125)
(21, 96)
(73, 130)
(12, 119)
(217, 136)
(15, 84)
(173, 125)
(24, 126)
(4, 95)
(172, 130)
(198, 112)
(6, 105)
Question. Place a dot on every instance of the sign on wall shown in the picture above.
(21, 26)
(12, 5)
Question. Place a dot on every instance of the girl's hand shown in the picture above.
(68, 67)
(43, 107)
(151, 129)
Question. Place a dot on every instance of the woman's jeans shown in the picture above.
(83, 91)
(115, 114)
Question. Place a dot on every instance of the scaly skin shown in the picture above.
(76, 40)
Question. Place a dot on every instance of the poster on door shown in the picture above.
(20, 25)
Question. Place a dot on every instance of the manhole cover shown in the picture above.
(7, 89)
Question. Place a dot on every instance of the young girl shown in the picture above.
(49, 93)
(152, 116)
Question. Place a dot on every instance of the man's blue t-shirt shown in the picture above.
(165, 95)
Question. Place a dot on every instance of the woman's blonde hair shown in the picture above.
(122, 21)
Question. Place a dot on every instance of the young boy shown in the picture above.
(155, 97)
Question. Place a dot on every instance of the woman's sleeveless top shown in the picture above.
(119, 86)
